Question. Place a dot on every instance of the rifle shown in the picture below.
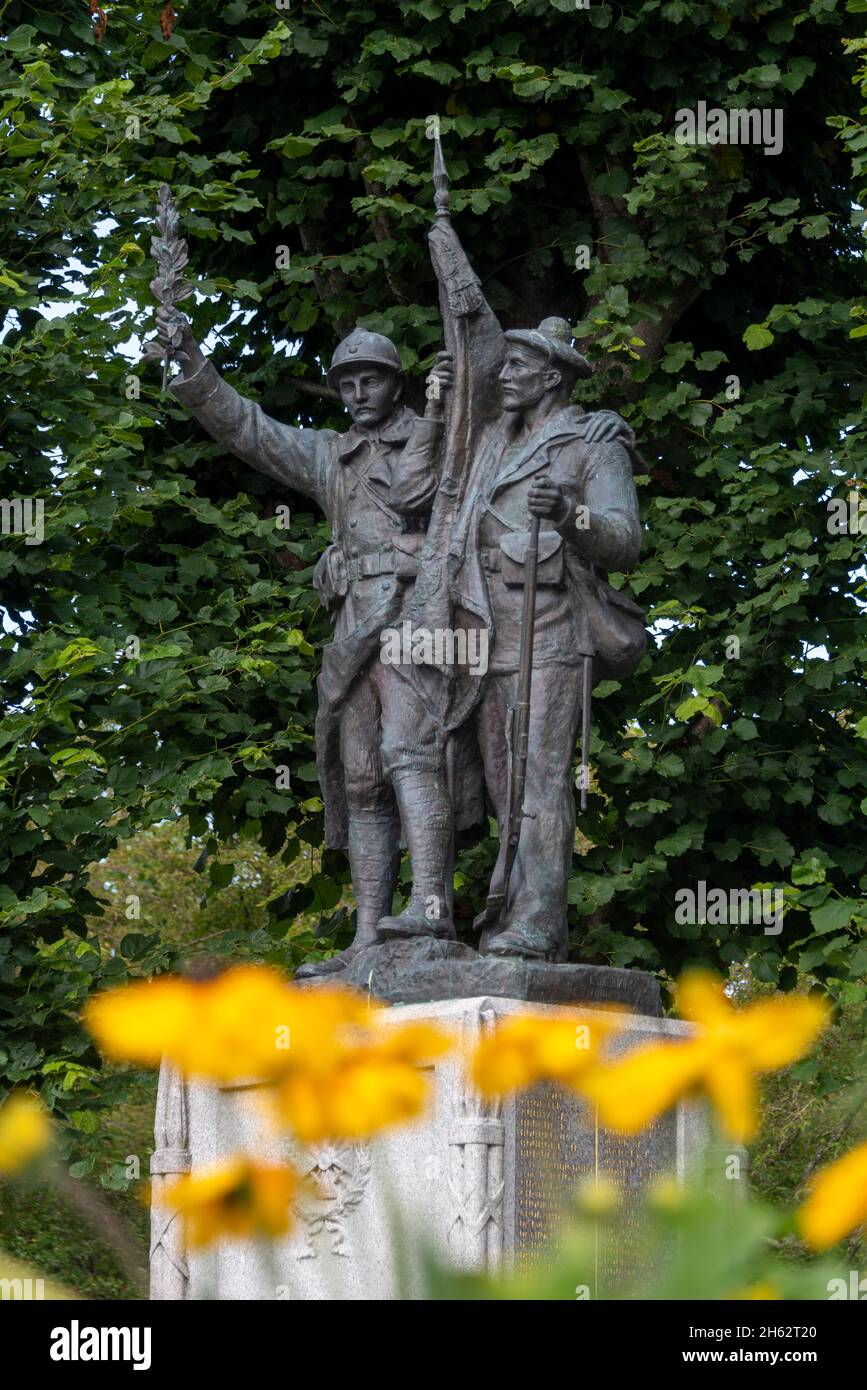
(586, 694)
(519, 736)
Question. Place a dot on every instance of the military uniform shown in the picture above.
(374, 740)
(575, 611)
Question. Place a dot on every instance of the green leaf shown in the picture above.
(745, 729)
(757, 336)
(833, 915)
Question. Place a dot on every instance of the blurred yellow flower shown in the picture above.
(730, 1049)
(597, 1196)
(25, 1131)
(238, 1199)
(529, 1048)
(340, 1071)
(666, 1196)
(761, 1291)
(242, 1023)
(837, 1201)
(366, 1078)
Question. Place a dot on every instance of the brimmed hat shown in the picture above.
(553, 338)
(364, 349)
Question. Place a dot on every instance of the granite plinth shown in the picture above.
(480, 1184)
(426, 970)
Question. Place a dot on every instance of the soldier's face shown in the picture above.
(525, 378)
(369, 394)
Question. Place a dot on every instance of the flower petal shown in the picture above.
(837, 1202)
(732, 1088)
(701, 998)
(634, 1090)
(778, 1031)
(25, 1131)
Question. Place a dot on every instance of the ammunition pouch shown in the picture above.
(331, 577)
(550, 569)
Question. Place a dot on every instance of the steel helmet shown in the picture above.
(364, 349)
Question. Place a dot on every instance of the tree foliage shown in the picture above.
(294, 143)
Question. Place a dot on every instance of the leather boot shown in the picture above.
(426, 820)
(374, 860)
(525, 942)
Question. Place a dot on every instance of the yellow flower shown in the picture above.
(527, 1048)
(240, 1024)
(368, 1077)
(723, 1060)
(632, 1092)
(25, 1131)
(666, 1196)
(761, 1291)
(238, 1199)
(837, 1201)
(339, 1071)
(597, 1196)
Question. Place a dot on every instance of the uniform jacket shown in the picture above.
(376, 488)
(490, 537)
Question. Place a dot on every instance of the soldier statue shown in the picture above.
(536, 505)
(379, 754)
(505, 524)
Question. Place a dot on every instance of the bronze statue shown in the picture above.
(538, 504)
(379, 755)
(500, 526)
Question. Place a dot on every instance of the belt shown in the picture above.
(490, 560)
(368, 566)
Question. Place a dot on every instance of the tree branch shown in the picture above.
(379, 221)
(329, 283)
(313, 388)
(655, 332)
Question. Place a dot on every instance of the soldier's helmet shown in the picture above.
(553, 338)
(364, 349)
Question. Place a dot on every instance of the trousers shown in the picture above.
(540, 874)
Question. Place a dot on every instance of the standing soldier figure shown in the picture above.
(536, 504)
(379, 754)
(545, 459)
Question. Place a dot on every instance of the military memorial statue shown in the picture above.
(493, 519)
(497, 515)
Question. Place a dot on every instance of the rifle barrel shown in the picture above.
(525, 677)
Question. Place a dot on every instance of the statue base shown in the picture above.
(478, 1185)
(423, 970)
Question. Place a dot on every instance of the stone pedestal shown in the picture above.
(479, 1184)
(424, 970)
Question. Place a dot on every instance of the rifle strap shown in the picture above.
(374, 497)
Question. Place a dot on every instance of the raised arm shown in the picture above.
(295, 457)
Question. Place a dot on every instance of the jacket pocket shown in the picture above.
(513, 557)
